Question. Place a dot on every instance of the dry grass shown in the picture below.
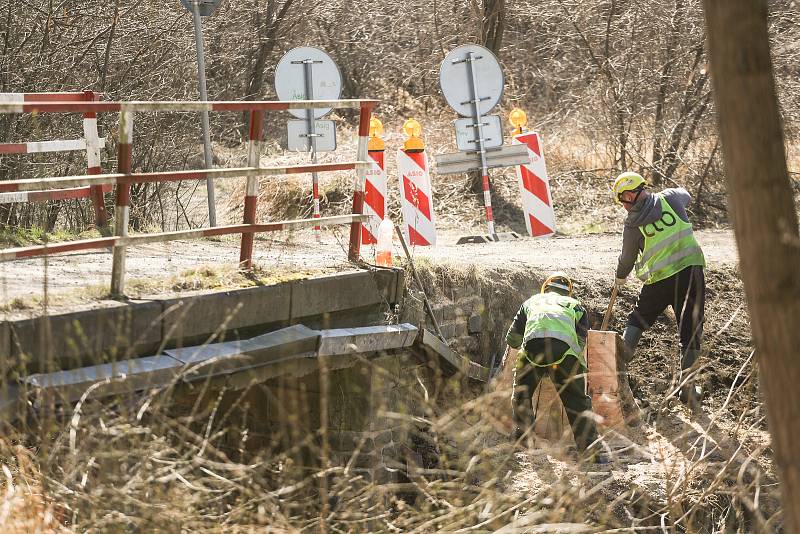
(177, 460)
(202, 458)
(25, 507)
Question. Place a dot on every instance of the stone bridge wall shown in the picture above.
(122, 330)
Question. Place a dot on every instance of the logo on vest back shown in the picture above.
(667, 220)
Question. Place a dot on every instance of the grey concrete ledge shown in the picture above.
(431, 345)
(119, 331)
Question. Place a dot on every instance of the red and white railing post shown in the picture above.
(91, 143)
(361, 178)
(93, 163)
(122, 212)
(251, 193)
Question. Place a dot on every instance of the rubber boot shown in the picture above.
(631, 335)
(690, 393)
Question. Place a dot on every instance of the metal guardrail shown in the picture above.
(124, 177)
(92, 143)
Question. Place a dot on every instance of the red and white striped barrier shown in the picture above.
(32, 184)
(537, 202)
(374, 198)
(23, 98)
(53, 194)
(164, 237)
(75, 106)
(419, 220)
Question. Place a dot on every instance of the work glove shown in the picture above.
(619, 282)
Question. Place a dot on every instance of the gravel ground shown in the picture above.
(585, 257)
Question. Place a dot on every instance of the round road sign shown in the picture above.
(458, 80)
(293, 71)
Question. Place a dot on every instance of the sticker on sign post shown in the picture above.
(298, 139)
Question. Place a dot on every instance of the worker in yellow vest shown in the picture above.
(550, 332)
(659, 242)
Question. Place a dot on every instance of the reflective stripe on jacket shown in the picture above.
(669, 247)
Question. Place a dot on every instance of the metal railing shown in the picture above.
(123, 178)
(91, 143)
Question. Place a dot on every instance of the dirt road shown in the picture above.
(591, 256)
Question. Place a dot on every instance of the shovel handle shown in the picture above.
(607, 316)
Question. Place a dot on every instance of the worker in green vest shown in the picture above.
(550, 332)
(658, 241)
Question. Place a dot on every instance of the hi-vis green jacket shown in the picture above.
(659, 223)
(669, 247)
(554, 316)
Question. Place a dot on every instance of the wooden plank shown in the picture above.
(551, 419)
(603, 377)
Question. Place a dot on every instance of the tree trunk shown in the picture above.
(764, 218)
(663, 86)
(494, 16)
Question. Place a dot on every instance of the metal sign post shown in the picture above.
(204, 8)
(459, 77)
(307, 73)
(472, 84)
(478, 125)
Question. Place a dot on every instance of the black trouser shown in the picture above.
(569, 381)
(685, 291)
